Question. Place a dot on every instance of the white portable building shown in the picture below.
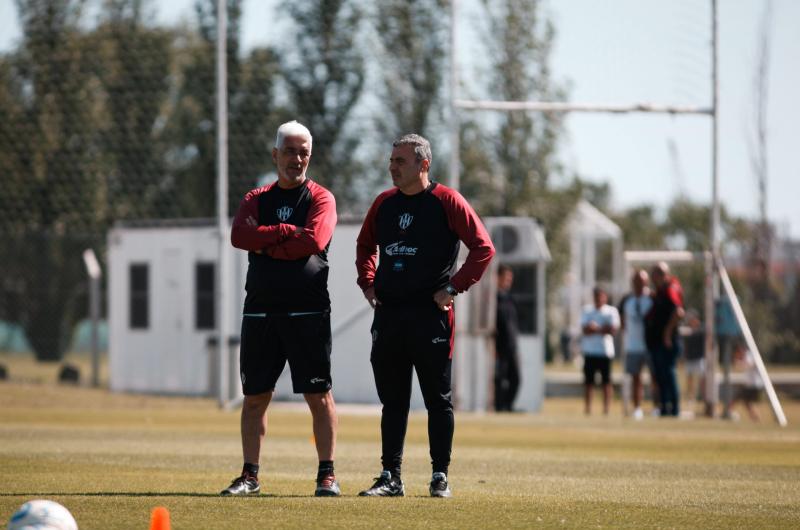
(161, 301)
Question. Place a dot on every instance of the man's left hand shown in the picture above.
(443, 299)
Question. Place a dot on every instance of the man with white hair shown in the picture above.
(286, 227)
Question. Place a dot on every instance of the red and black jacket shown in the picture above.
(666, 300)
(417, 237)
(288, 269)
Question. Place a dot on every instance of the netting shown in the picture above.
(107, 116)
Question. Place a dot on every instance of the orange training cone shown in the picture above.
(159, 519)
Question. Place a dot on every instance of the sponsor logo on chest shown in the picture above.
(398, 248)
(284, 212)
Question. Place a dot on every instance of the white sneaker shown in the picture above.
(439, 486)
(638, 414)
(655, 413)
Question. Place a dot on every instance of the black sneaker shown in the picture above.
(439, 486)
(385, 486)
(327, 486)
(243, 485)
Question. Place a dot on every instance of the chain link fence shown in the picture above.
(106, 116)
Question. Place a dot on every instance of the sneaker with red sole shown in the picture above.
(327, 486)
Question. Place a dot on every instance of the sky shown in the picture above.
(634, 51)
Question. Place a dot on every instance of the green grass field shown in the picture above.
(111, 458)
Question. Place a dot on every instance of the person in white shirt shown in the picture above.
(599, 323)
(750, 392)
(634, 307)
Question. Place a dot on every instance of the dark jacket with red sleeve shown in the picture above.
(288, 268)
(417, 237)
(666, 300)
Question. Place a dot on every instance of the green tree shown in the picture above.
(51, 169)
(253, 117)
(411, 63)
(523, 153)
(324, 69)
(685, 227)
(520, 43)
(517, 161)
(132, 63)
(480, 183)
(640, 228)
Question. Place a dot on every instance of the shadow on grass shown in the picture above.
(148, 494)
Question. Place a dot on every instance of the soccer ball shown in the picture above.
(42, 515)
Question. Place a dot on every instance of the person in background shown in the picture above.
(506, 371)
(661, 335)
(694, 365)
(565, 343)
(599, 324)
(633, 309)
(750, 393)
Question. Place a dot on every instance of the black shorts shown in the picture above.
(269, 341)
(594, 364)
(749, 394)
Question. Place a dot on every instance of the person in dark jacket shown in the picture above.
(661, 335)
(416, 228)
(506, 371)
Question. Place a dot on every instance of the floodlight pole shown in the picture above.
(223, 229)
(95, 274)
(712, 290)
(455, 126)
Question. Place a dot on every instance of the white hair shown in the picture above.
(292, 128)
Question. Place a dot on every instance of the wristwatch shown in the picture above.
(449, 289)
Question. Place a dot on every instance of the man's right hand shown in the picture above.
(369, 294)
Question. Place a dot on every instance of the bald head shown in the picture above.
(659, 273)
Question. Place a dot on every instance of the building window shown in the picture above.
(139, 279)
(204, 295)
(524, 293)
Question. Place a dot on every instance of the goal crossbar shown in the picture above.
(566, 106)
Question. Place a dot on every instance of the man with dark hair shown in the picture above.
(286, 227)
(506, 370)
(661, 334)
(416, 227)
(599, 324)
